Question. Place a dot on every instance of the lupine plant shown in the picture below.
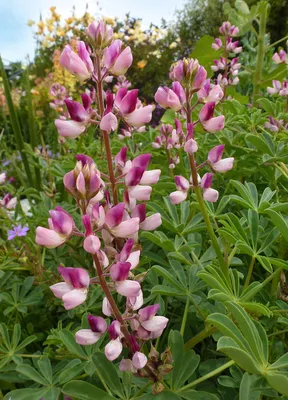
(131, 293)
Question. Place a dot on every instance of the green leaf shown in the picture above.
(109, 373)
(162, 396)
(278, 381)
(31, 374)
(69, 341)
(44, 366)
(166, 275)
(260, 144)
(246, 391)
(26, 394)
(205, 54)
(282, 362)
(84, 391)
(278, 220)
(72, 369)
(196, 395)
(229, 347)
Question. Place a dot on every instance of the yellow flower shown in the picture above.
(141, 64)
(60, 33)
(53, 8)
(172, 45)
(36, 92)
(69, 20)
(30, 22)
(41, 27)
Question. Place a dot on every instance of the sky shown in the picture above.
(16, 38)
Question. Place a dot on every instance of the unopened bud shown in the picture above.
(157, 388)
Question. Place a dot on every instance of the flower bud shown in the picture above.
(100, 34)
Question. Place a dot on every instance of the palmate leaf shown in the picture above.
(85, 391)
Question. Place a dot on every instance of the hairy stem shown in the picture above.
(261, 51)
(185, 315)
(201, 202)
(247, 281)
(207, 376)
(105, 134)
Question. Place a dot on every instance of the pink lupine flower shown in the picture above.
(106, 308)
(118, 225)
(60, 230)
(199, 78)
(121, 158)
(8, 202)
(91, 243)
(119, 272)
(98, 326)
(227, 29)
(209, 123)
(100, 34)
(135, 303)
(191, 146)
(79, 64)
(177, 71)
(127, 365)
(17, 231)
(149, 325)
(127, 255)
(233, 46)
(273, 125)
(209, 194)
(183, 185)
(139, 360)
(276, 87)
(168, 98)
(209, 94)
(3, 177)
(108, 122)
(113, 349)
(79, 119)
(116, 61)
(216, 162)
(284, 89)
(130, 108)
(280, 57)
(217, 45)
(84, 181)
(146, 223)
(74, 290)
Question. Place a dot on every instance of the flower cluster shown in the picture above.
(228, 65)
(190, 82)
(110, 226)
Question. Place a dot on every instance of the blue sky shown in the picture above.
(16, 38)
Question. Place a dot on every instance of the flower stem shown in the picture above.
(263, 6)
(207, 376)
(201, 203)
(105, 134)
(185, 315)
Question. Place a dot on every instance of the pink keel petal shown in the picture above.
(151, 223)
(70, 129)
(155, 324)
(150, 177)
(133, 259)
(211, 195)
(74, 298)
(108, 122)
(61, 288)
(140, 116)
(128, 288)
(178, 196)
(126, 228)
(86, 337)
(113, 349)
(49, 238)
(141, 193)
(139, 360)
(224, 165)
(92, 244)
(214, 124)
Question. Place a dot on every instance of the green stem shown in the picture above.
(263, 6)
(247, 281)
(207, 376)
(275, 282)
(142, 390)
(212, 235)
(274, 44)
(199, 337)
(278, 333)
(185, 315)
